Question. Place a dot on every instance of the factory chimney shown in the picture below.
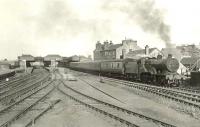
(146, 50)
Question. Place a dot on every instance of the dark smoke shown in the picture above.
(146, 15)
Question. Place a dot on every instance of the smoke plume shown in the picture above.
(146, 15)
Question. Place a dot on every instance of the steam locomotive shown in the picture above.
(149, 70)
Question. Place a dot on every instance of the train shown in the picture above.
(157, 71)
(4, 74)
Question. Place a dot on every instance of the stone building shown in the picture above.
(25, 60)
(108, 50)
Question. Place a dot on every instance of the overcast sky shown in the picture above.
(68, 27)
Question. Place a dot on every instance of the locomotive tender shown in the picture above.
(149, 70)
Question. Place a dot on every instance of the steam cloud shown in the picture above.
(147, 16)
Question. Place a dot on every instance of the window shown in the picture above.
(118, 64)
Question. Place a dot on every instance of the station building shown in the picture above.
(108, 50)
(52, 60)
(25, 60)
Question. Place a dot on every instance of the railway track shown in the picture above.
(14, 93)
(15, 112)
(190, 95)
(21, 80)
(100, 90)
(188, 90)
(124, 116)
(20, 84)
(15, 77)
(178, 96)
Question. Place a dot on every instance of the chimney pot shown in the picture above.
(146, 50)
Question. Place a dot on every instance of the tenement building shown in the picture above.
(108, 50)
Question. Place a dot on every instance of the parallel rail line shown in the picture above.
(21, 79)
(23, 90)
(10, 106)
(18, 85)
(100, 111)
(42, 113)
(114, 107)
(101, 91)
(6, 124)
(156, 91)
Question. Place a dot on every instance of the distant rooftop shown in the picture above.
(26, 57)
(176, 53)
(52, 57)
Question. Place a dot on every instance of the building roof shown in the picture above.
(52, 57)
(115, 46)
(140, 52)
(26, 57)
(176, 53)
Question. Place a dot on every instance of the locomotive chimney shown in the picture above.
(159, 57)
(146, 50)
(169, 55)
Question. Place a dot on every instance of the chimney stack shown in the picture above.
(146, 50)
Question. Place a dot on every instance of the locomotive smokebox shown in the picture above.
(169, 64)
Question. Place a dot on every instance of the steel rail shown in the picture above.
(122, 109)
(23, 78)
(100, 111)
(6, 124)
(181, 94)
(24, 90)
(10, 106)
(42, 113)
(19, 85)
(157, 92)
